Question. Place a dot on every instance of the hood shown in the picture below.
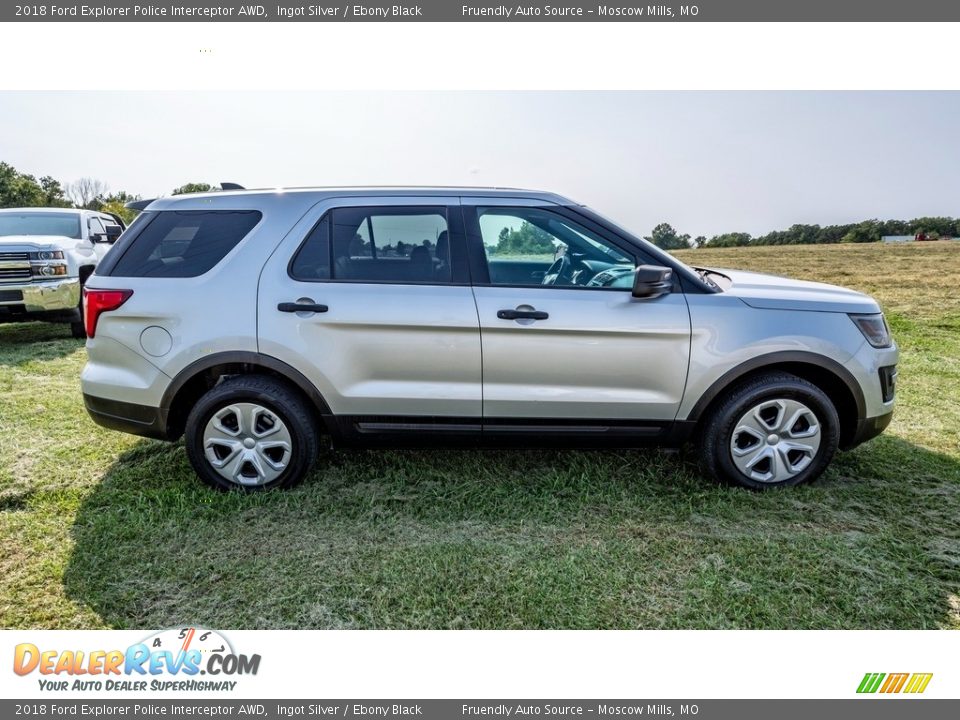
(772, 292)
(38, 242)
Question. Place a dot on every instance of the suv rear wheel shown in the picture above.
(251, 432)
(773, 430)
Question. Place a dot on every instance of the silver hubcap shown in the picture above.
(775, 440)
(247, 444)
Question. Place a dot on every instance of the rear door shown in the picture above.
(564, 339)
(370, 299)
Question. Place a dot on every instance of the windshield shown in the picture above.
(62, 224)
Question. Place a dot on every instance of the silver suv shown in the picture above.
(253, 322)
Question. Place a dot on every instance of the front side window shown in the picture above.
(184, 243)
(395, 244)
(532, 246)
(59, 224)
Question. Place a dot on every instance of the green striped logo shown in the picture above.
(912, 683)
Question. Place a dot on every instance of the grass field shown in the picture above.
(99, 529)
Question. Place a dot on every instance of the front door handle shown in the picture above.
(524, 314)
(298, 307)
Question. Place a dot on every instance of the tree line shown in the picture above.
(19, 189)
(529, 239)
(666, 237)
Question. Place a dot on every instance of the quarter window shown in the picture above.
(184, 243)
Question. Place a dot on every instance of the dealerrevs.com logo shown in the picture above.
(179, 659)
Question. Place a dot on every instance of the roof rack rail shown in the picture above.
(231, 186)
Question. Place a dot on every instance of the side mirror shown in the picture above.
(652, 281)
(113, 232)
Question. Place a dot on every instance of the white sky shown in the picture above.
(706, 162)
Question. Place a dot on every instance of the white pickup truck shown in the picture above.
(46, 254)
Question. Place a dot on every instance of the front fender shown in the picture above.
(730, 339)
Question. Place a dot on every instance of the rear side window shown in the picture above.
(379, 244)
(184, 243)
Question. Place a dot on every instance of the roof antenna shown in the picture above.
(231, 186)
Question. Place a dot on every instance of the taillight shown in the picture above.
(97, 301)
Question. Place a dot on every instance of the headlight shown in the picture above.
(48, 270)
(47, 255)
(874, 329)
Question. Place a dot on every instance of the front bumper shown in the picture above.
(868, 428)
(874, 370)
(43, 296)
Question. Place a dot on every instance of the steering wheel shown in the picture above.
(562, 269)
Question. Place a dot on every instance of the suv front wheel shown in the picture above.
(251, 432)
(773, 430)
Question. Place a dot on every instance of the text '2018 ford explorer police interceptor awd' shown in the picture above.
(253, 322)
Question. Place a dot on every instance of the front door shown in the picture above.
(562, 335)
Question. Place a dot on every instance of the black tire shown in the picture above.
(78, 330)
(716, 457)
(276, 396)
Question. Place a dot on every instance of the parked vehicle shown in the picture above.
(46, 255)
(254, 322)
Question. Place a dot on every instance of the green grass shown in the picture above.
(99, 529)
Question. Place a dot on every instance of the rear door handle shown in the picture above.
(525, 314)
(293, 307)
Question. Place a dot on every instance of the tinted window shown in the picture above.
(184, 243)
(395, 244)
(312, 261)
(62, 224)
